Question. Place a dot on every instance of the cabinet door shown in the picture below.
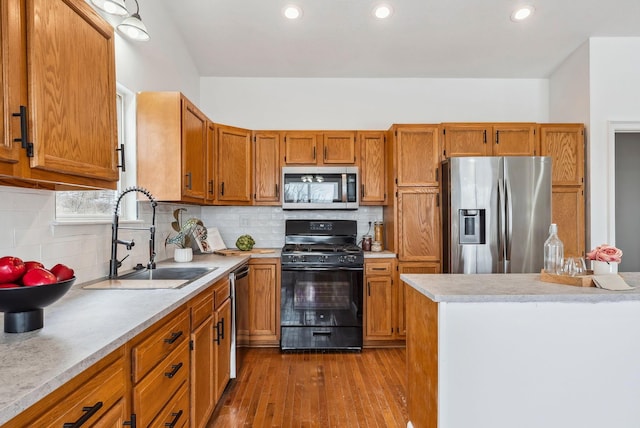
(419, 224)
(514, 140)
(379, 308)
(194, 148)
(339, 148)
(12, 85)
(264, 317)
(266, 150)
(568, 213)
(233, 155)
(565, 145)
(466, 140)
(417, 155)
(422, 268)
(202, 372)
(223, 347)
(373, 169)
(72, 90)
(210, 189)
(300, 148)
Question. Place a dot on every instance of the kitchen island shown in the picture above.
(503, 351)
(84, 327)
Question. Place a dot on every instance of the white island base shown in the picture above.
(506, 351)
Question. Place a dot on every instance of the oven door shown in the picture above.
(321, 308)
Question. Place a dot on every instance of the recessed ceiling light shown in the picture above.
(382, 11)
(292, 12)
(522, 13)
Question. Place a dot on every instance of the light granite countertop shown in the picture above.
(513, 288)
(83, 327)
(379, 254)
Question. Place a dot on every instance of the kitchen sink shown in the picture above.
(186, 273)
(149, 279)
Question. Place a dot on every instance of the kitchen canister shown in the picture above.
(366, 243)
(378, 232)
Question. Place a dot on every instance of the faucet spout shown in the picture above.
(114, 263)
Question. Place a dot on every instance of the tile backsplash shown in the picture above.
(30, 231)
(266, 224)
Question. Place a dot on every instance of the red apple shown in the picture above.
(38, 276)
(11, 269)
(33, 264)
(9, 285)
(62, 272)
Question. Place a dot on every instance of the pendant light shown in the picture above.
(113, 7)
(133, 27)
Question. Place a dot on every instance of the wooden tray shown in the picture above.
(576, 281)
(236, 252)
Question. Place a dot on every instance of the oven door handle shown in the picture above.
(327, 268)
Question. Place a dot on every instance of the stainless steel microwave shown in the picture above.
(323, 187)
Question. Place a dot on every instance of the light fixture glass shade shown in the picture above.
(134, 28)
(114, 7)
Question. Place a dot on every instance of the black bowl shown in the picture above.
(23, 306)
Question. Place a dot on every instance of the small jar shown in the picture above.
(376, 246)
(378, 228)
(366, 243)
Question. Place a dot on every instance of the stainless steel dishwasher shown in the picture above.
(239, 278)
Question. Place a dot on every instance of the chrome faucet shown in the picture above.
(114, 263)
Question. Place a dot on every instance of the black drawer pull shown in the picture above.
(173, 338)
(88, 412)
(174, 370)
(222, 328)
(378, 268)
(176, 417)
(321, 333)
(217, 328)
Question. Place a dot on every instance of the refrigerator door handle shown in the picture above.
(509, 226)
(501, 225)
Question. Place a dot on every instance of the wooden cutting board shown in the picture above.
(236, 252)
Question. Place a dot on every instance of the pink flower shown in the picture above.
(605, 253)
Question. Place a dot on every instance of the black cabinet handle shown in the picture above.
(122, 164)
(188, 183)
(131, 423)
(221, 328)
(277, 191)
(211, 187)
(88, 413)
(217, 338)
(497, 137)
(368, 288)
(174, 370)
(176, 417)
(173, 338)
(23, 126)
(362, 192)
(222, 189)
(314, 153)
(325, 152)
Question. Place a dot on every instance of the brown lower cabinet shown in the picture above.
(171, 374)
(258, 304)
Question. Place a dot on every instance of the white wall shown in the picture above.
(315, 103)
(614, 96)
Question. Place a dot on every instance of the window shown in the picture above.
(98, 205)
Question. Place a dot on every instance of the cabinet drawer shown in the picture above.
(169, 336)
(95, 397)
(176, 412)
(221, 292)
(378, 268)
(156, 389)
(201, 309)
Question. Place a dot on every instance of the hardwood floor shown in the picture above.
(273, 389)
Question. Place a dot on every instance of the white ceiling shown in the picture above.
(423, 38)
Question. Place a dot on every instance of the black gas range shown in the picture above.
(322, 291)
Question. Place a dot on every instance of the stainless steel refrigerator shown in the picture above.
(496, 213)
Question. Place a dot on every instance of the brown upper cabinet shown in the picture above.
(59, 113)
(171, 149)
(373, 168)
(233, 165)
(416, 154)
(319, 148)
(266, 161)
(210, 191)
(565, 144)
(489, 139)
